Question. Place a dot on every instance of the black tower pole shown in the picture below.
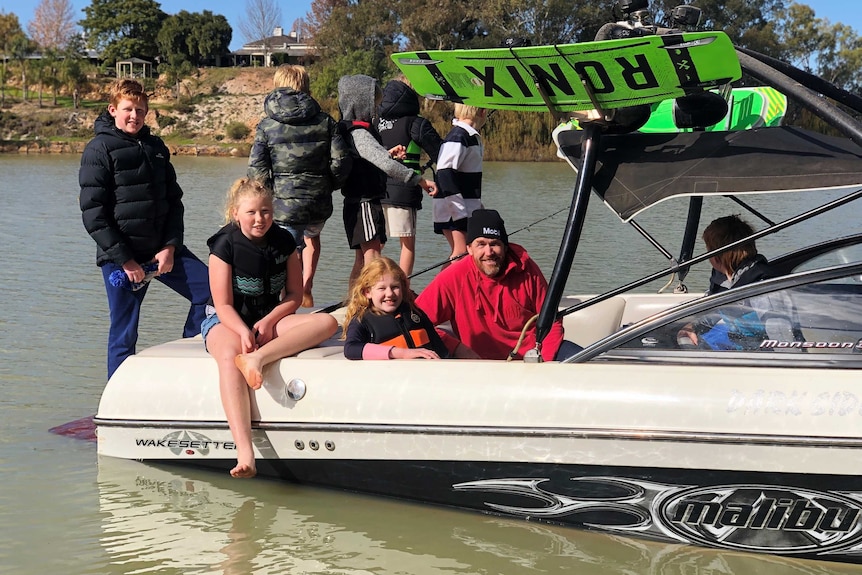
(590, 143)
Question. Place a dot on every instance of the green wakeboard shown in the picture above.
(621, 73)
(752, 107)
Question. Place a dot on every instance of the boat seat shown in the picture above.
(639, 306)
(331, 348)
(594, 322)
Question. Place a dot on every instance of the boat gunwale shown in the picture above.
(646, 435)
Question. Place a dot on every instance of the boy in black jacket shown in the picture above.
(401, 124)
(132, 207)
(358, 99)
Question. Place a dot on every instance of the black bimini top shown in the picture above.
(636, 171)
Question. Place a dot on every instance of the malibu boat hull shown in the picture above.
(729, 457)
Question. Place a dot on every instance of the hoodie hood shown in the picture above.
(356, 97)
(287, 106)
(399, 100)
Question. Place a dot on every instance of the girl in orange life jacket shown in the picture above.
(383, 323)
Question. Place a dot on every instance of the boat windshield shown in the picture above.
(818, 317)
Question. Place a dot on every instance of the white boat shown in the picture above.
(755, 449)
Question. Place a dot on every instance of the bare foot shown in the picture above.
(243, 471)
(250, 370)
(307, 300)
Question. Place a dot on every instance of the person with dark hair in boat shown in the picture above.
(738, 266)
(490, 295)
(256, 280)
(382, 321)
(132, 207)
(746, 324)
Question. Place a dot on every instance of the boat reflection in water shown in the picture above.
(164, 519)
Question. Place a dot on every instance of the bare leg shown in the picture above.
(368, 251)
(294, 333)
(408, 254)
(354, 272)
(250, 370)
(457, 243)
(310, 257)
(223, 345)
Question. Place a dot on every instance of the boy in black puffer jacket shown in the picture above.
(401, 124)
(132, 207)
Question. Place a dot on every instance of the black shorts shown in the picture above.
(364, 222)
(457, 225)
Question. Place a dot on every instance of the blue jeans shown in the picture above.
(189, 278)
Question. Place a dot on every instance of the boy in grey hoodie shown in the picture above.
(358, 99)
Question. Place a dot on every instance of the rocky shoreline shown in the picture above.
(76, 147)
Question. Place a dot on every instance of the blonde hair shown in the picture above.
(127, 89)
(241, 189)
(465, 112)
(400, 77)
(358, 303)
(289, 76)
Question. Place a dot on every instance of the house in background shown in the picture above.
(274, 50)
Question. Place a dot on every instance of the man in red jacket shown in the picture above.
(489, 296)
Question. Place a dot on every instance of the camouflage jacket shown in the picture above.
(299, 151)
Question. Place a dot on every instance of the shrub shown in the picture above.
(237, 130)
(184, 107)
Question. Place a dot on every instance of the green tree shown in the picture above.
(343, 28)
(544, 21)
(123, 28)
(10, 35)
(197, 37)
(175, 70)
(21, 50)
(832, 51)
(73, 69)
(840, 62)
(324, 80)
(451, 25)
(211, 36)
(39, 67)
(801, 35)
(749, 23)
(51, 71)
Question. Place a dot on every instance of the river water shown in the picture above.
(65, 511)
